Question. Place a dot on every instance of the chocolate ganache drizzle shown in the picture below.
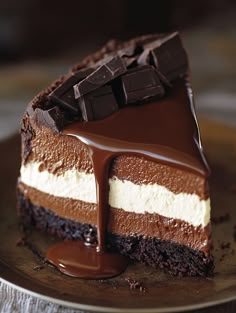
(161, 129)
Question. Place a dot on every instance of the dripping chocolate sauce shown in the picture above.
(163, 131)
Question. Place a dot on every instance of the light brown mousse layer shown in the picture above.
(122, 222)
(59, 153)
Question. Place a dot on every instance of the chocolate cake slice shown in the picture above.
(111, 155)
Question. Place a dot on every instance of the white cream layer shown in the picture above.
(123, 194)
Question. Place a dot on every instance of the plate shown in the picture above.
(163, 292)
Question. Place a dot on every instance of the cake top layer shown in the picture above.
(119, 75)
(134, 95)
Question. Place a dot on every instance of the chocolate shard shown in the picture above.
(168, 56)
(64, 94)
(140, 44)
(113, 68)
(145, 57)
(146, 39)
(130, 61)
(140, 83)
(52, 118)
(98, 104)
(127, 55)
(128, 51)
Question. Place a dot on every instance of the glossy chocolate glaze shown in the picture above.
(76, 259)
(162, 131)
(79, 260)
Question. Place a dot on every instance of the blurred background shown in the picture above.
(40, 40)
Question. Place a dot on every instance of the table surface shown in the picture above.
(212, 56)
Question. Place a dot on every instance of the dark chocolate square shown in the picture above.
(98, 104)
(64, 94)
(52, 118)
(169, 56)
(140, 83)
(112, 68)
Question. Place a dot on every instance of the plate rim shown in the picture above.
(107, 309)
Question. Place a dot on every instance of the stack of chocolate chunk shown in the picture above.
(134, 74)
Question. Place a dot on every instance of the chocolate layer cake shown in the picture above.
(111, 154)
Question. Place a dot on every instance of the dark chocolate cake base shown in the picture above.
(174, 258)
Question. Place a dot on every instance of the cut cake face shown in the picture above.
(111, 153)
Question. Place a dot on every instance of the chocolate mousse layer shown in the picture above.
(122, 222)
(132, 168)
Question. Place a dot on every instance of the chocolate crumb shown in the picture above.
(221, 219)
(135, 285)
(38, 268)
(20, 242)
(110, 282)
(222, 257)
(34, 250)
(23, 241)
(225, 245)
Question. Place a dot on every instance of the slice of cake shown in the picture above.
(111, 154)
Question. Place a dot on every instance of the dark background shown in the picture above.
(41, 39)
(42, 28)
